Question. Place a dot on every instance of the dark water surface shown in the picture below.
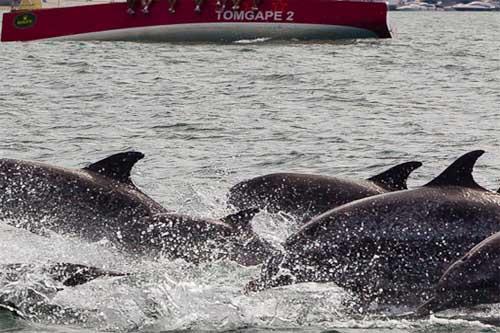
(208, 116)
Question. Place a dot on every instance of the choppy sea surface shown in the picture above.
(210, 115)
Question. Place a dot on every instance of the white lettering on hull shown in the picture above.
(259, 16)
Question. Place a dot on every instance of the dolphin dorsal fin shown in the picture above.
(117, 166)
(459, 173)
(394, 179)
(241, 220)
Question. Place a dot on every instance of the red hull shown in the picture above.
(97, 20)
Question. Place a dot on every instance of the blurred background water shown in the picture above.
(210, 115)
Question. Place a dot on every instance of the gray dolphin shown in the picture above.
(68, 274)
(33, 191)
(100, 201)
(35, 298)
(473, 279)
(306, 195)
(393, 247)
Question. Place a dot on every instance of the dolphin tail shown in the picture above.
(394, 179)
(73, 274)
(241, 220)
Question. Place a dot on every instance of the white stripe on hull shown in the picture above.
(225, 31)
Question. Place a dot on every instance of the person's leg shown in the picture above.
(172, 5)
(145, 6)
(236, 4)
(130, 5)
(198, 5)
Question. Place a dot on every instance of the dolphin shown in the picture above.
(390, 248)
(307, 195)
(35, 297)
(100, 201)
(68, 274)
(200, 239)
(33, 191)
(473, 279)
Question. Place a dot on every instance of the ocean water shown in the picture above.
(210, 115)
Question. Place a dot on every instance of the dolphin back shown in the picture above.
(471, 280)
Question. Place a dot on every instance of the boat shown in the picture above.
(475, 6)
(275, 19)
(417, 6)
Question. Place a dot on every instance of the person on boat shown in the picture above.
(15, 4)
(172, 3)
(221, 4)
(130, 7)
(145, 6)
(255, 5)
(198, 5)
(236, 4)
